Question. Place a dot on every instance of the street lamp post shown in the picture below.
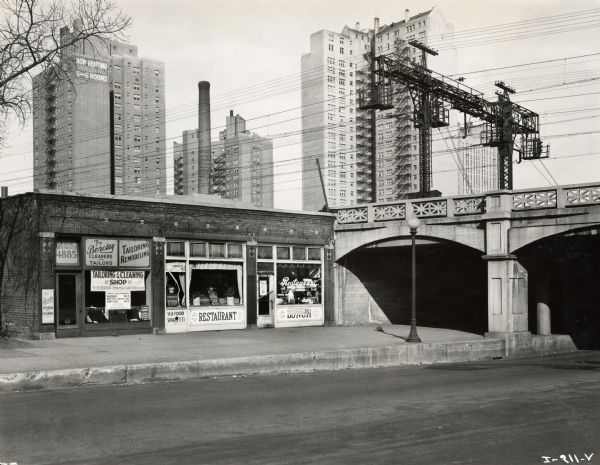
(413, 224)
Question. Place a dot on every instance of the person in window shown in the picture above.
(290, 296)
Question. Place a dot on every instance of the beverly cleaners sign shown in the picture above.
(122, 253)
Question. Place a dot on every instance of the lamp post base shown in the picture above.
(413, 336)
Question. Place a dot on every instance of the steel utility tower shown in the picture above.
(432, 93)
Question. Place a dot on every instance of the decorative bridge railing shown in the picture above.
(558, 197)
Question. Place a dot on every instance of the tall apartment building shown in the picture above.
(365, 155)
(478, 164)
(242, 164)
(103, 130)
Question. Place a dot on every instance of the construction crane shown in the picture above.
(432, 94)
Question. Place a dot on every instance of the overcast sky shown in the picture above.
(250, 52)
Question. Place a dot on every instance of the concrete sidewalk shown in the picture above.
(146, 358)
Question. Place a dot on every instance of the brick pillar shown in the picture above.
(47, 280)
(158, 284)
(251, 297)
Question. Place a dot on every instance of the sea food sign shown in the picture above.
(125, 253)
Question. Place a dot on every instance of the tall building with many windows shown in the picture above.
(242, 164)
(478, 164)
(103, 129)
(364, 155)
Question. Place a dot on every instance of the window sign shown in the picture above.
(134, 253)
(47, 306)
(67, 253)
(101, 252)
(117, 281)
(118, 300)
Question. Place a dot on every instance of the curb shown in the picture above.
(330, 360)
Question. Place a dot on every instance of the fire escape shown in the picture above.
(51, 181)
(218, 175)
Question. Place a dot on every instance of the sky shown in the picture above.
(250, 50)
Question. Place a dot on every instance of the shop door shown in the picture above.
(67, 298)
(266, 300)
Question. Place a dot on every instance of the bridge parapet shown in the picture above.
(440, 207)
(422, 208)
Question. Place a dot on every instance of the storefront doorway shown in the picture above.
(266, 300)
(67, 303)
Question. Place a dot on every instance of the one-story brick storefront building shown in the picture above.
(80, 265)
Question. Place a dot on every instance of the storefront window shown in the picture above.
(283, 253)
(198, 249)
(314, 253)
(215, 284)
(298, 284)
(265, 252)
(176, 249)
(117, 296)
(175, 284)
(299, 253)
(217, 250)
(234, 250)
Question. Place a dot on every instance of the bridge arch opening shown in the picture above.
(563, 273)
(375, 279)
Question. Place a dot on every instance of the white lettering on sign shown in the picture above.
(47, 306)
(91, 63)
(299, 312)
(117, 281)
(134, 253)
(101, 252)
(67, 253)
(175, 267)
(297, 285)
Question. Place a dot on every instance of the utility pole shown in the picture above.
(423, 115)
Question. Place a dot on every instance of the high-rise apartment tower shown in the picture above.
(365, 155)
(103, 129)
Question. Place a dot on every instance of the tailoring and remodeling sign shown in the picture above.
(118, 300)
(101, 252)
(134, 253)
(117, 281)
(47, 306)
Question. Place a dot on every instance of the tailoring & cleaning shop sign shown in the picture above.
(117, 281)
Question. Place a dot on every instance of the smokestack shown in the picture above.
(357, 26)
(406, 15)
(376, 28)
(204, 146)
(4, 192)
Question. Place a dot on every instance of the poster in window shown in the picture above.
(134, 253)
(263, 287)
(101, 252)
(47, 306)
(118, 300)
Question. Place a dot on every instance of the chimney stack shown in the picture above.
(406, 15)
(204, 145)
(357, 26)
(376, 28)
(4, 192)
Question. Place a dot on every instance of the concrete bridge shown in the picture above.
(501, 263)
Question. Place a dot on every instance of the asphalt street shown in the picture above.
(505, 412)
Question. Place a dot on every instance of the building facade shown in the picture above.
(478, 164)
(364, 155)
(97, 264)
(242, 164)
(102, 130)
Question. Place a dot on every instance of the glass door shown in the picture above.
(266, 299)
(67, 300)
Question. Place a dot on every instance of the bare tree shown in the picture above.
(32, 40)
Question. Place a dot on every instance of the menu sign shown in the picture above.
(101, 252)
(134, 253)
(118, 300)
